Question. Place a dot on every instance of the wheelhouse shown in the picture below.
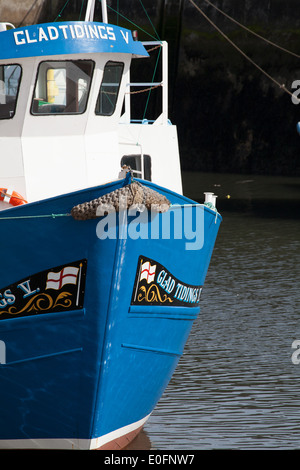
(64, 111)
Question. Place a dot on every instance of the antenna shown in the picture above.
(90, 9)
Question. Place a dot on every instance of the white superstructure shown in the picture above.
(65, 117)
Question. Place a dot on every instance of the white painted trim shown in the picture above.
(72, 444)
(112, 436)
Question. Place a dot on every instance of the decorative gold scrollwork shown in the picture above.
(42, 303)
(152, 295)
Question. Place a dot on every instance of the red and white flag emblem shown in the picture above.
(68, 275)
(148, 272)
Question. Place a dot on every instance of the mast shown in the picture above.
(90, 9)
(104, 11)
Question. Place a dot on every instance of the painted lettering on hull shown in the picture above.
(53, 290)
(155, 285)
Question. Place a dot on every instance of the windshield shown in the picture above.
(62, 87)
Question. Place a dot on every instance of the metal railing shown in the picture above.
(163, 118)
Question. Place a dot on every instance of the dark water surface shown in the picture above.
(236, 386)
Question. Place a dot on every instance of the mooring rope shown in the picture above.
(134, 195)
(250, 30)
(41, 216)
(280, 85)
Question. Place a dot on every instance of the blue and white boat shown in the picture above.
(95, 307)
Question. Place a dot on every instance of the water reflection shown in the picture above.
(141, 442)
(236, 386)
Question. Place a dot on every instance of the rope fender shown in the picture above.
(132, 195)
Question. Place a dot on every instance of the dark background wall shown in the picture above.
(230, 117)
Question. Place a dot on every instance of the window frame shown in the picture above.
(122, 64)
(68, 113)
(18, 91)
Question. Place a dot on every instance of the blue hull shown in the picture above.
(92, 328)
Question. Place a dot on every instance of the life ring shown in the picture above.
(11, 197)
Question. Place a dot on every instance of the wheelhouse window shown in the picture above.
(109, 90)
(62, 87)
(10, 78)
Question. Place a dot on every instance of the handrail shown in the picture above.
(163, 119)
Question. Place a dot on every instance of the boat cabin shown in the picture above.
(65, 119)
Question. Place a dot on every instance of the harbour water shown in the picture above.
(236, 386)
